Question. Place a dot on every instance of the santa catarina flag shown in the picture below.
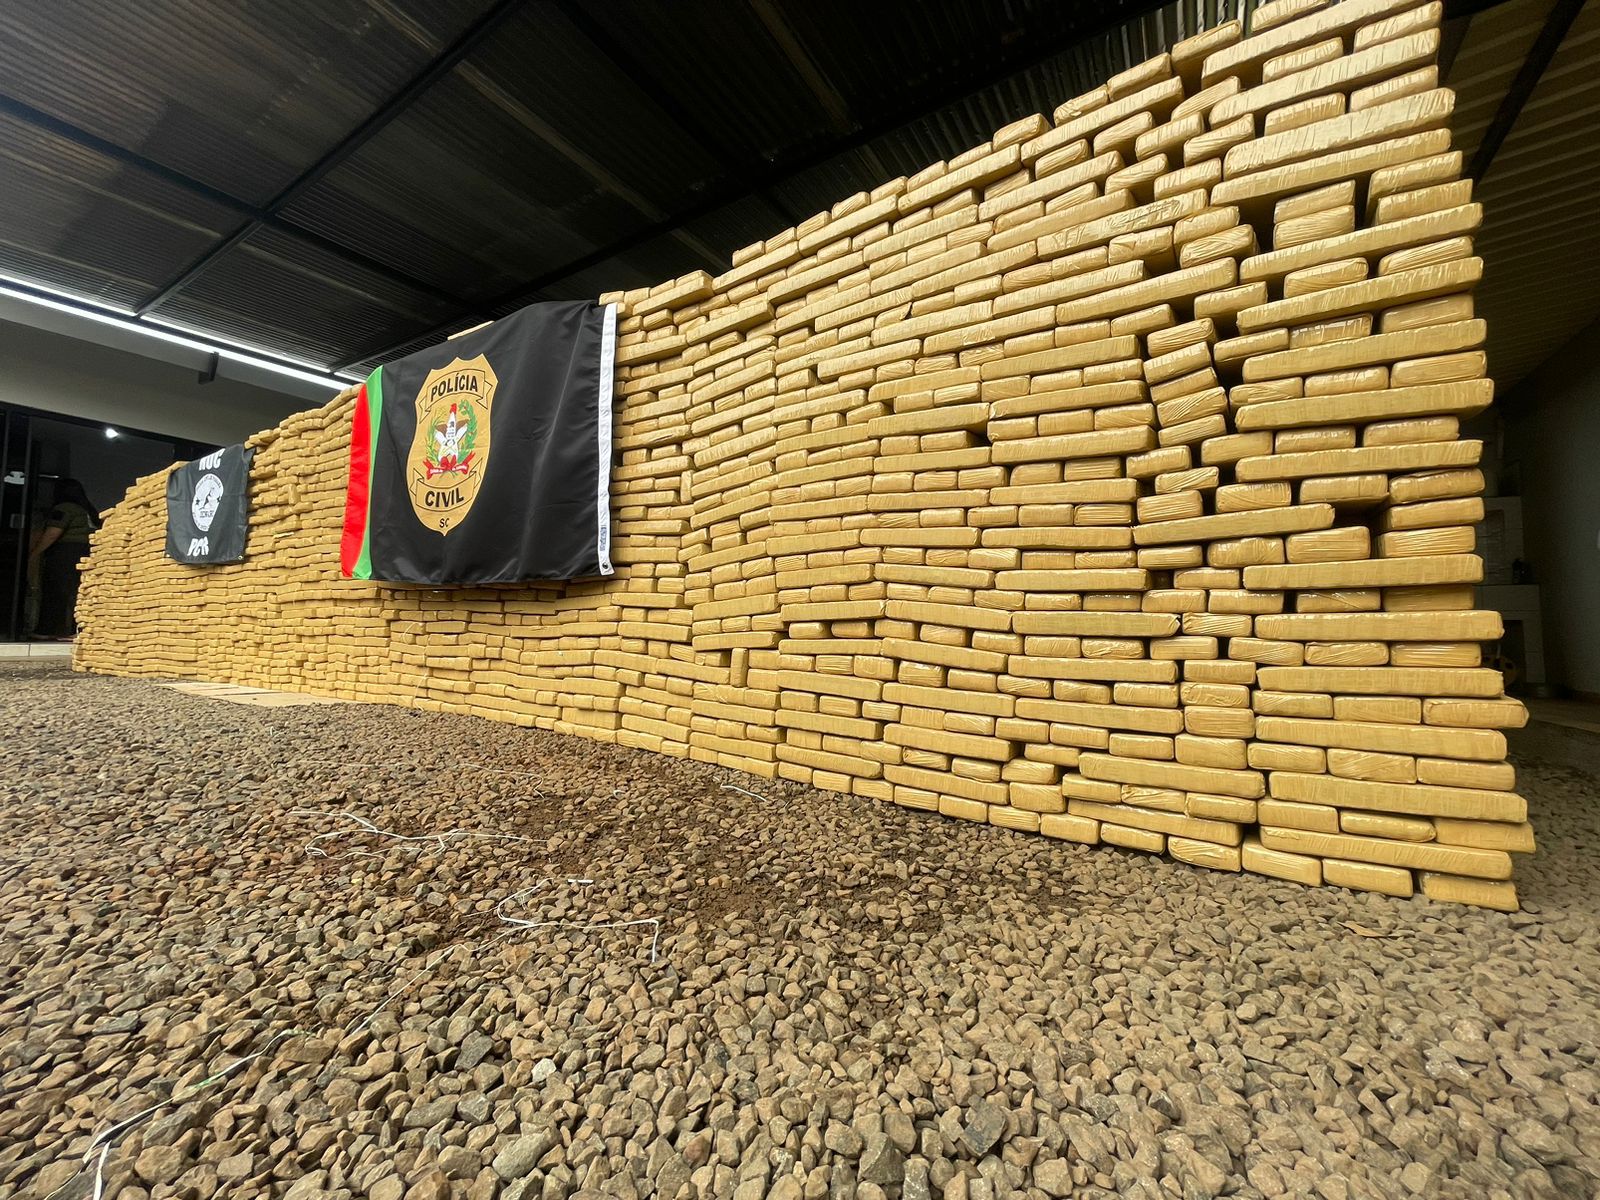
(487, 459)
(208, 507)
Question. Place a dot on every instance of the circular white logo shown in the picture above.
(207, 495)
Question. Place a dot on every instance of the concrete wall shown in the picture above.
(57, 373)
(1552, 455)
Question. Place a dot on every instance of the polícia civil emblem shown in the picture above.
(450, 448)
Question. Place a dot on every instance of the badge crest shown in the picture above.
(450, 448)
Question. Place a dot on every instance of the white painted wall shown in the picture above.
(1552, 454)
(56, 373)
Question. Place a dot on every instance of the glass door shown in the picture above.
(60, 474)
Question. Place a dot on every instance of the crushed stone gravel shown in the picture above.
(846, 999)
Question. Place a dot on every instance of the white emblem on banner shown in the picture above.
(207, 495)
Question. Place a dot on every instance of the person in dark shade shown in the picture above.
(58, 547)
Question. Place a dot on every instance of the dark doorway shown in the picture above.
(40, 455)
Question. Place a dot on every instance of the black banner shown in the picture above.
(208, 507)
(488, 459)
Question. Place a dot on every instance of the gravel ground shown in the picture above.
(845, 999)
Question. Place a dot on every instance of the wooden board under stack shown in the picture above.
(1105, 482)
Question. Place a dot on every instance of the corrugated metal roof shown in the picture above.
(79, 221)
(1539, 235)
(756, 97)
(274, 290)
(242, 97)
(332, 177)
(341, 179)
(905, 149)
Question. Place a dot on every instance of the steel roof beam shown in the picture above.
(805, 66)
(440, 66)
(639, 74)
(28, 115)
(1562, 14)
(914, 105)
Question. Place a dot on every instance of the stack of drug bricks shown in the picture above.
(1105, 482)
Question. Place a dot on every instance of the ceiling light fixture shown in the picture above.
(125, 319)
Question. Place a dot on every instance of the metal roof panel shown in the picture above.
(243, 97)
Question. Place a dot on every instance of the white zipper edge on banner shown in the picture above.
(608, 358)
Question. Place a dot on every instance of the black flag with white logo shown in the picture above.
(208, 507)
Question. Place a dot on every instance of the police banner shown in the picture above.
(487, 459)
(208, 507)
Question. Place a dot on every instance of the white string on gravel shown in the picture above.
(520, 923)
(474, 765)
(364, 827)
(103, 1140)
(357, 1025)
(417, 766)
(505, 771)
